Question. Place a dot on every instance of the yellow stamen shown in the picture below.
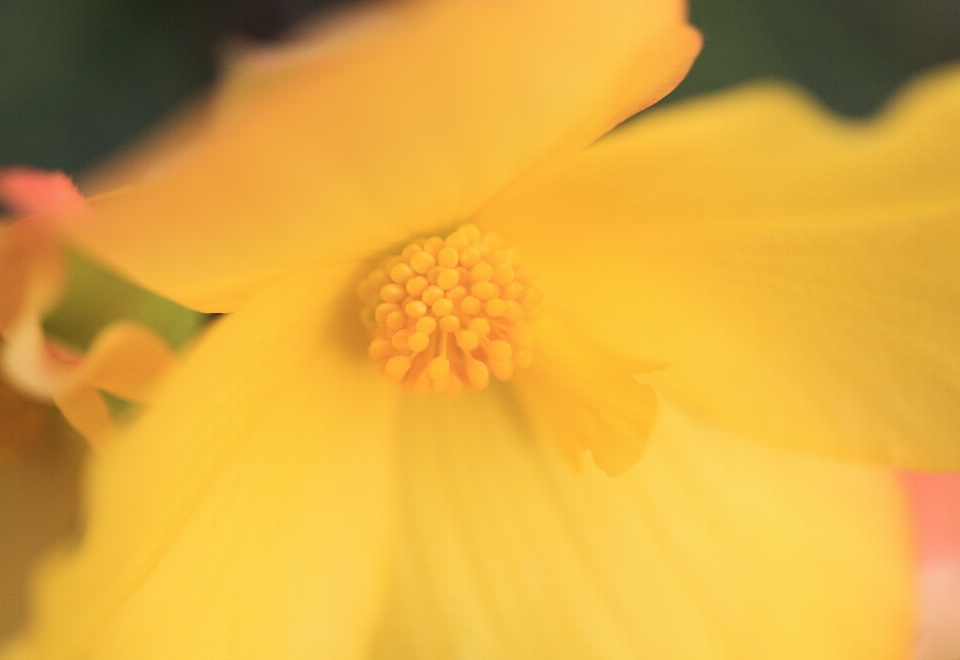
(447, 312)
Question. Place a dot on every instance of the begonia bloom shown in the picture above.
(281, 499)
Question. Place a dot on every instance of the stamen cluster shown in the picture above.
(446, 313)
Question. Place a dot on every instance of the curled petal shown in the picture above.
(126, 359)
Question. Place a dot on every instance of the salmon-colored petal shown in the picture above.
(710, 548)
(27, 191)
(797, 272)
(31, 263)
(249, 512)
(410, 126)
(935, 505)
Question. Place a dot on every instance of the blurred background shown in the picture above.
(80, 78)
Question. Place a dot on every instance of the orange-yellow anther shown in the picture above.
(415, 309)
(383, 311)
(439, 368)
(450, 323)
(392, 293)
(396, 320)
(409, 251)
(401, 273)
(480, 326)
(457, 293)
(418, 341)
(422, 262)
(446, 313)
(512, 291)
(482, 272)
(470, 305)
(448, 257)
(401, 339)
(379, 348)
(442, 307)
(468, 340)
(485, 291)
(502, 274)
(501, 350)
(432, 294)
(417, 285)
(495, 307)
(477, 375)
(427, 325)
(470, 257)
(433, 245)
(448, 278)
(396, 368)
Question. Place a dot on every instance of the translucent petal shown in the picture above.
(797, 272)
(710, 547)
(249, 512)
(409, 126)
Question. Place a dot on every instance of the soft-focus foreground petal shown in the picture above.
(935, 505)
(433, 111)
(710, 547)
(249, 512)
(798, 273)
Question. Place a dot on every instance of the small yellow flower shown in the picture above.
(771, 275)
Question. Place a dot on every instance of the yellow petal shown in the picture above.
(127, 360)
(592, 399)
(248, 513)
(411, 127)
(711, 547)
(797, 272)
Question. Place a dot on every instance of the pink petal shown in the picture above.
(935, 502)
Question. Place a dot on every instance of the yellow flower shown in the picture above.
(792, 276)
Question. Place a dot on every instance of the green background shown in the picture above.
(78, 78)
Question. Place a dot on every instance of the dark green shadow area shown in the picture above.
(852, 54)
(94, 297)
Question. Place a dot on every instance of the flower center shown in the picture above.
(446, 313)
